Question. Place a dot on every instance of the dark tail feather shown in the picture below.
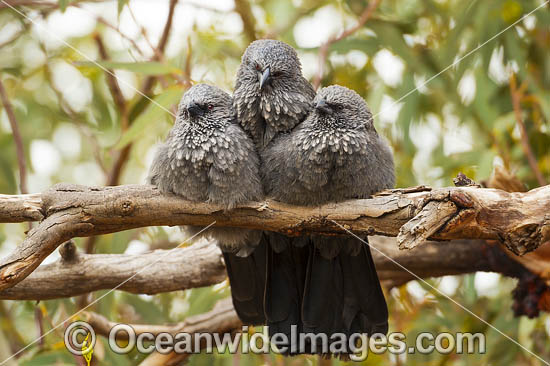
(365, 309)
(323, 294)
(247, 279)
(286, 265)
(342, 292)
(321, 285)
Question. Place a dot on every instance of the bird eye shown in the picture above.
(210, 107)
(276, 74)
(258, 67)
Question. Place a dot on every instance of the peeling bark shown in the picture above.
(521, 221)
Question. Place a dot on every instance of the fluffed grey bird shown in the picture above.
(271, 97)
(335, 154)
(207, 157)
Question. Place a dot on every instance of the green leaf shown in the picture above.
(145, 68)
(147, 119)
(121, 4)
(63, 5)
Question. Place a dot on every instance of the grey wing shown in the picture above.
(294, 171)
(281, 164)
(234, 176)
(369, 169)
(159, 168)
(246, 106)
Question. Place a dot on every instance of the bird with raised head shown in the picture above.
(271, 97)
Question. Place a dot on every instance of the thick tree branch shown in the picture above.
(202, 265)
(148, 273)
(519, 220)
(20, 208)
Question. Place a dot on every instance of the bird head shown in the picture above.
(339, 107)
(268, 65)
(271, 95)
(205, 106)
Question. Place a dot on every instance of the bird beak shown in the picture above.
(265, 77)
(323, 107)
(194, 110)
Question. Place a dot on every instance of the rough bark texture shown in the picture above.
(202, 265)
(21, 208)
(148, 273)
(521, 221)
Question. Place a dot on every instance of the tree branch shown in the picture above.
(242, 7)
(519, 220)
(148, 273)
(113, 85)
(20, 208)
(161, 46)
(122, 157)
(113, 176)
(202, 265)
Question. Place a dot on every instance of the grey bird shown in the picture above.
(335, 154)
(271, 97)
(207, 157)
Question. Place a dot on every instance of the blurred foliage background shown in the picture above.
(77, 124)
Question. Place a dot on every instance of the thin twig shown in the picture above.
(113, 177)
(120, 102)
(323, 50)
(20, 151)
(517, 94)
(122, 157)
(28, 3)
(242, 8)
(13, 38)
(116, 29)
(187, 67)
(114, 87)
(103, 21)
(141, 29)
(161, 46)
